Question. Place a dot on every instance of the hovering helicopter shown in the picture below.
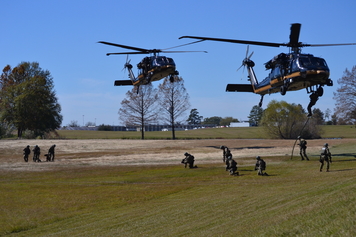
(288, 71)
(152, 68)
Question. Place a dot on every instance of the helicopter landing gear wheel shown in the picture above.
(329, 82)
(171, 78)
(283, 90)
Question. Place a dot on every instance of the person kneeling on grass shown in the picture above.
(260, 166)
(188, 160)
(231, 166)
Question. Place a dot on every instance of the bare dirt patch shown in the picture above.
(76, 153)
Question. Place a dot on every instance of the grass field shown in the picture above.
(51, 199)
(334, 131)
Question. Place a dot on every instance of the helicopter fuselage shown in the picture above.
(294, 72)
(154, 68)
(288, 72)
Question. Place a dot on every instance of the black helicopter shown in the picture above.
(289, 72)
(152, 68)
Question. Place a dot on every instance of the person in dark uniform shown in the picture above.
(228, 157)
(303, 146)
(260, 166)
(50, 155)
(225, 151)
(36, 154)
(313, 99)
(26, 153)
(188, 160)
(325, 156)
(231, 166)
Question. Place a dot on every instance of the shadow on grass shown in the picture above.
(249, 147)
(345, 154)
(344, 160)
(340, 170)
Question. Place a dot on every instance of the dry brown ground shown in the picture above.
(75, 153)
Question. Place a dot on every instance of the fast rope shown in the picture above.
(299, 136)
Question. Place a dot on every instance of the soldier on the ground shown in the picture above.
(260, 166)
(26, 153)
(36, 154)
(50, 154)
(325, 156)
(231, 166)
(188, 160)
(303, 147)
(226, 152)
(228, 157)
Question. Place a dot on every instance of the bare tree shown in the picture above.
(174, 100)
(345, 108)
(140, 108)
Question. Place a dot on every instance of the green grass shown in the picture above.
(294, 200)
(337, 131)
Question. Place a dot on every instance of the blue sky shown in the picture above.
(62, 36)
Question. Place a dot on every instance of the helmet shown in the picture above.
(298, 137)
(326, 145)
(28, 145)
(258, 157)
(222, 147)
(186, 153)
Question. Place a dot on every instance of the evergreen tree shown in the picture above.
(255, 115)
(194, 117)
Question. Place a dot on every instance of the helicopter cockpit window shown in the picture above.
(158, 61)
(312, 63)
(161, 61)
(294, 66)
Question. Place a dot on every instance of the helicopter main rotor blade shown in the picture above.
(126, 47)
(184, 45)
(125, 53)
(236, 41)
(184, 51)
(294, 35)
(320, 45)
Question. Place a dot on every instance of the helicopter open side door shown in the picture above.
(123, 83)
(239, 88)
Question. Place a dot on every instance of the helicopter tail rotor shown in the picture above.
(247, 60)
(127, 63)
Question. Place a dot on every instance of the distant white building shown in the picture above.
(240, 124)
